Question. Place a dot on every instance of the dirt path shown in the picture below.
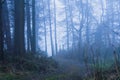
(70, 66)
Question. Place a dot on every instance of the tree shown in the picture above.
(55, 33)
(67, 27)
(1, 34)
(28, 26)
(51, 34)
(87, 23)
(71, 24)
(33, 43)
(19, 36)
(80, 23)
(6, 24)
(45, 28)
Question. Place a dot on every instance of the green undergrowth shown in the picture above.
(27, 67)
(8, 76)
(40, 67)
(64, 77)
(29, 62)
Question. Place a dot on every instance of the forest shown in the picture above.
(59, 39)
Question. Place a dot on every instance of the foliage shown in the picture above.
(64, 77)
(29, 62)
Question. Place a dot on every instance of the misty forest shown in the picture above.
(59, 39)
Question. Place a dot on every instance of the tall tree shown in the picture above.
(81, 14)
(71, 24)
(45, 28)
(28, 25)
(19, 36)
(1, 34)
(51, 33)
(55, 33)
(33, 44)
(7, 27)
(67, 27)
(87, 23)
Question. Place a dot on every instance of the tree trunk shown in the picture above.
(6, 25)
(28, 26)
(51, 37)
(1, 36)
(67, 27)
(55, 33)
(19, 39)
(33, 44)
(45, 29)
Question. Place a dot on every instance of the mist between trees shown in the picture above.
(81, 36)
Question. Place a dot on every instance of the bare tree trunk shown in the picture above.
(28, 26)
(1, 35)
(33, 44)
(81, 25)
(6, 25)
(55, 33)
(67, 27)
(51, 37)
(87, 24)
(72, 25)
(45, 28)
(19, 38)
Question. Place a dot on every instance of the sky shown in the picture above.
(60, 30)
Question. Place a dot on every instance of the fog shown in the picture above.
(60, 39)
(87, 32)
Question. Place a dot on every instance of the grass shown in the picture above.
(56, 77)
(64, 77)
(8, 76)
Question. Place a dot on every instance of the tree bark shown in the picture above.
(1, 35)
(28, 26)
(19, 38)
(33, 46)
(6, 25)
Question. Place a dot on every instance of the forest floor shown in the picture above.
(68, 69)
(75, 70)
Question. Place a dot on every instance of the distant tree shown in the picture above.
(45, 26)
(28, 15)
(87, 23)
(50, 25)
(55, 33)
(81, 18)
(71, 24)
(67, 27)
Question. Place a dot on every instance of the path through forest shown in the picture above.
(71, 67)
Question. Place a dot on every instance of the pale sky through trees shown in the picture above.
(60, 29)
(61, 24)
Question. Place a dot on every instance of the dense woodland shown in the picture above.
(59, 39)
